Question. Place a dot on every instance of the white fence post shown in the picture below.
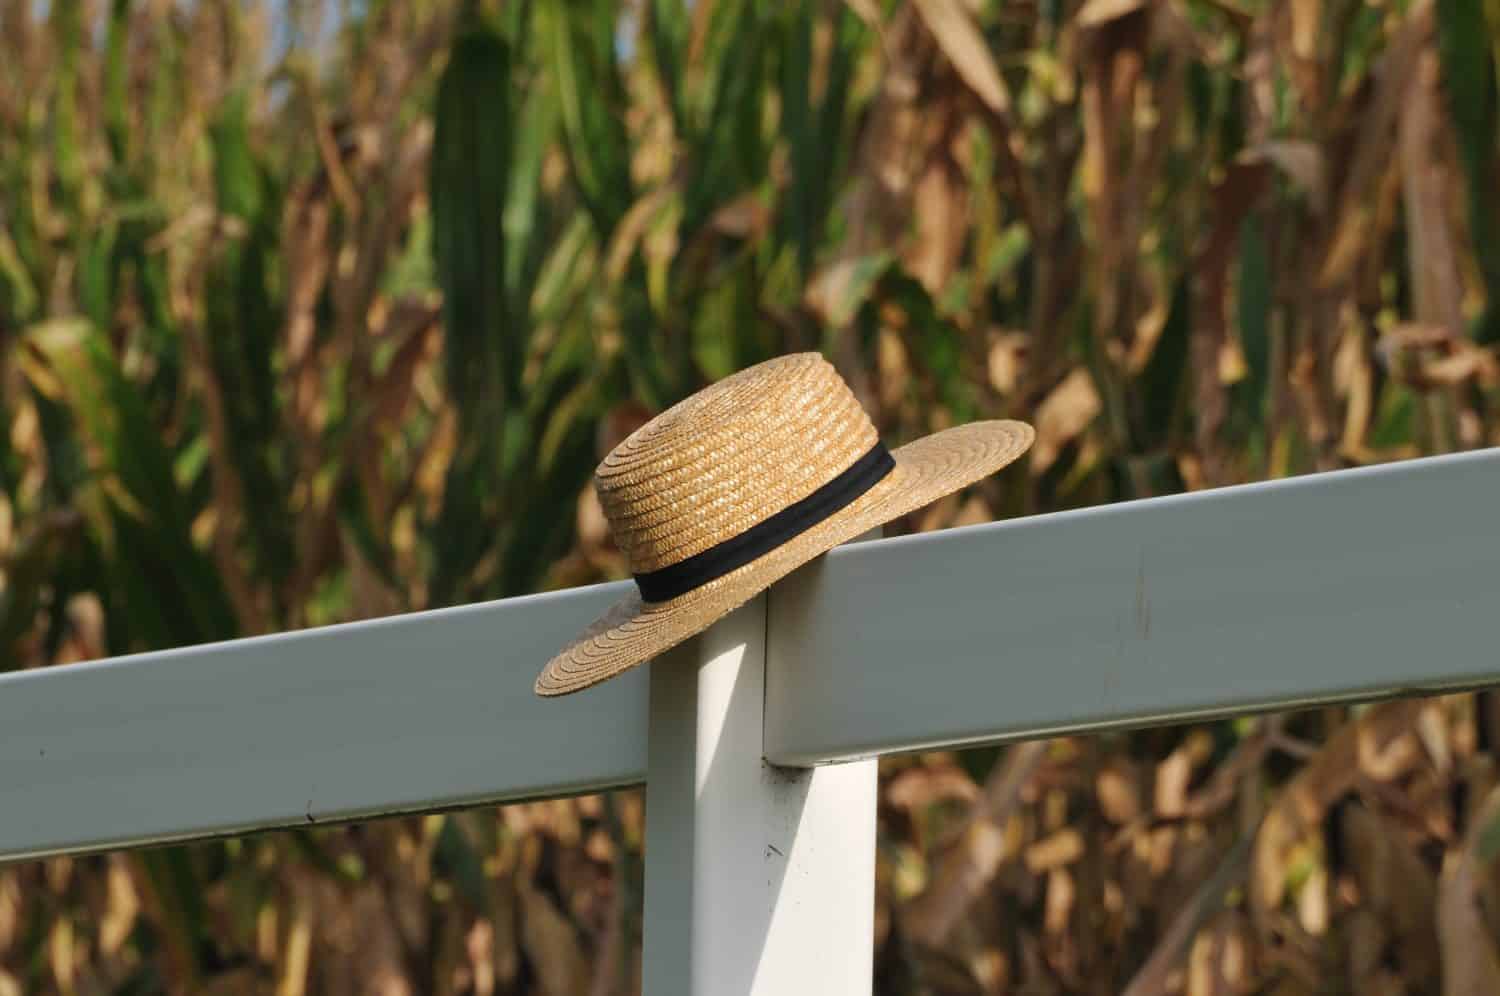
(759, 880)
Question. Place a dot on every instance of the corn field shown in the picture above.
(321, 312)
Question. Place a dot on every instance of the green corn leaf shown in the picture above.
(484, 347)
(1253, 312)
(569, 265)
(727, 331)
(116, 80)
(1162, 387)
(31, 564)
(667, 28)
(237, 178)
(68, 32)
(241, 328)
(1395, 419)
(813, 125)
(932, 341)
(729, 23)
(833, 110)
(561, 420)
(799, 126)
(468, 184)
(18, 292)
(26, 257)
(1465, 35)
(846, 286)
(165, 95)
(309, 847)
(168, 591)
(539, 535)
(354, 517)
(96, 266)
(730, 152)
(526, 214)
(1487, 838)
(67, 469)
(178, 895)
(580, 41)
(457, 859)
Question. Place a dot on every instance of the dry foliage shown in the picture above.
(311, 314)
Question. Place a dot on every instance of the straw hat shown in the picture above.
(738, 485)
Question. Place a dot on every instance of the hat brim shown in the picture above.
(632, 631)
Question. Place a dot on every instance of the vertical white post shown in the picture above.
(759, 880)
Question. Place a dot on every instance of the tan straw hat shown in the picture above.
(735, 487)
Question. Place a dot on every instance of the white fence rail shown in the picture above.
(1334, 587)
(408, 713)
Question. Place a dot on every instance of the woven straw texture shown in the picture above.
(731, 456)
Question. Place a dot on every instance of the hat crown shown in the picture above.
(730, 456)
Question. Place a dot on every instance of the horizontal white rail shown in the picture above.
(1341, 586)
(415, 712)
(1351, 585)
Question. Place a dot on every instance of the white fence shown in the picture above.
(1333, 587)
